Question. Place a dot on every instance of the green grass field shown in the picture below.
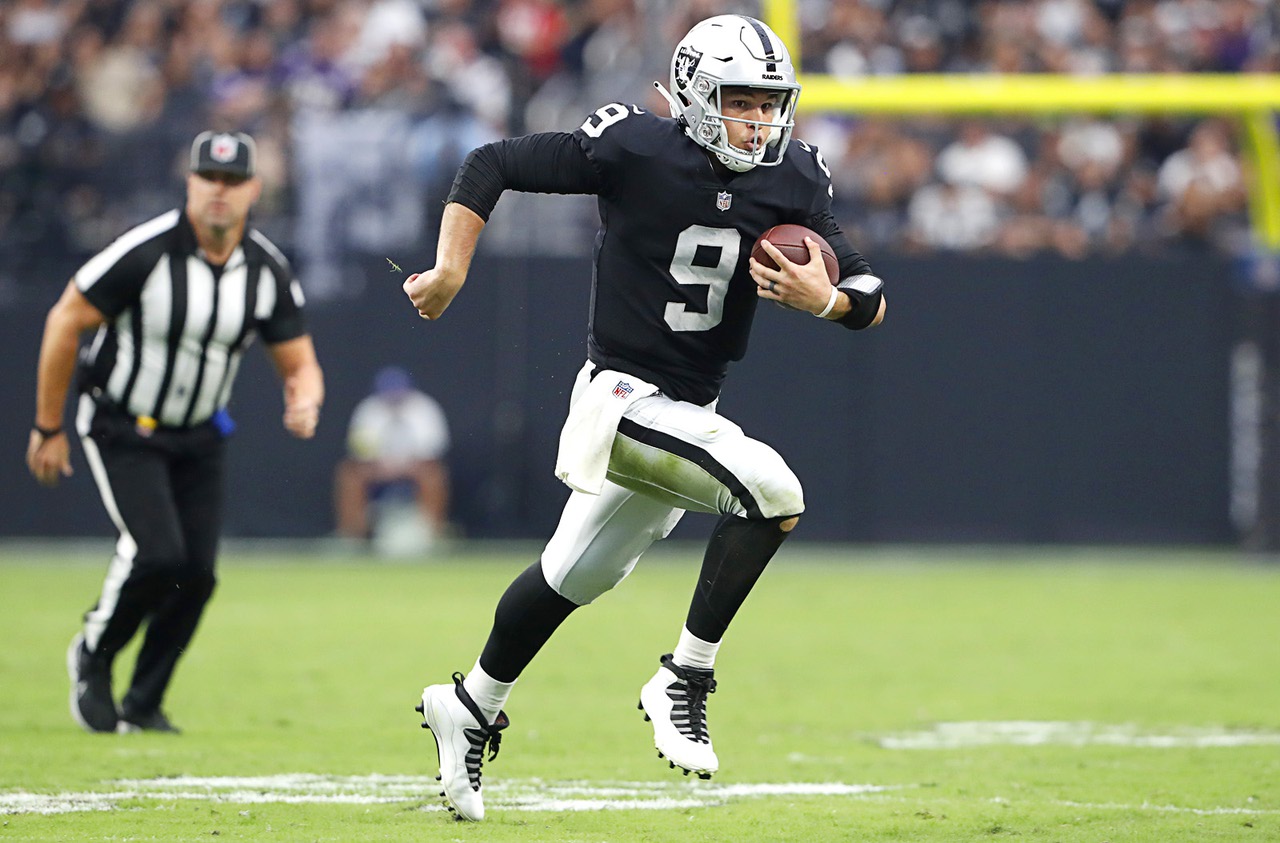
(864, 695)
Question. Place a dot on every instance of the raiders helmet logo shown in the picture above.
(686, 63)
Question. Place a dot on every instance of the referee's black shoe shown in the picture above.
(91, 702)
(153, 721)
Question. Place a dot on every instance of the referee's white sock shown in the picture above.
(692, 651)
(489, 694)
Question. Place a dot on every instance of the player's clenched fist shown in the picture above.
(432, 291)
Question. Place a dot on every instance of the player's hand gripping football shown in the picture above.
(803, 286)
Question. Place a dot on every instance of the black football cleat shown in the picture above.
(92, 705)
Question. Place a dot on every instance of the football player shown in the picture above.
(682, 201)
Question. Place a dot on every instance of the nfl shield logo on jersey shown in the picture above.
(723, 200)
(623, 389)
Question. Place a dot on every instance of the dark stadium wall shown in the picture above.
(1035, 401)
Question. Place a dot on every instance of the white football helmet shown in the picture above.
(731, 51)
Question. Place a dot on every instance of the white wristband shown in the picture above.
(835, 294)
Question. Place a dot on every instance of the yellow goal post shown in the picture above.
(1251, 98)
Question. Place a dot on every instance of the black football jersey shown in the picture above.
(672, 298)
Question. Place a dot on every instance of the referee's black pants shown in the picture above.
(163, 489)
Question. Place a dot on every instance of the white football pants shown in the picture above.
(668, 457)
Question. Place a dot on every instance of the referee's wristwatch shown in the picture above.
(46, 433)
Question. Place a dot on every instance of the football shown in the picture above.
(789, 239)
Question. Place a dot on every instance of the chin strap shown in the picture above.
(676, 111)
(737, 165)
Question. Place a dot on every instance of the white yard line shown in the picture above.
(1174, 809)
(520, 795)
(962, 735)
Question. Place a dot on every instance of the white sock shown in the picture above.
(692, 651)
(489, 694)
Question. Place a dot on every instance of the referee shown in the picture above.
(175, 302)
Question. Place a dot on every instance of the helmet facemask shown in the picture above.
(713, 131)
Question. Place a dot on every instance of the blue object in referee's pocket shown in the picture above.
(223, 422)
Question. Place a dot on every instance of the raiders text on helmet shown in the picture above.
(729, 51)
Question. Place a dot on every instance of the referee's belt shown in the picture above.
(148, 425)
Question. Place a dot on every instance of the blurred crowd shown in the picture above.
(99, 98)
(1073, 185)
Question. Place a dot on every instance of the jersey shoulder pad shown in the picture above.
(616, 131)
(811, 167)
(809, 162)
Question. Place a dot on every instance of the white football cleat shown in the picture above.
(675, 700)
(461, 736)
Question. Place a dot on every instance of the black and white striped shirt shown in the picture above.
(177, 326)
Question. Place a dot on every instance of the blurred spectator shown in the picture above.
(1091, 143)
(310, 71)
(922, 45)
(1201, 183)
(873, 196)
(1092, 153)
(1037, 210)
(36, 23)
(856, 41)
(533, 31)
(952, 217)
(476, 81)
(243, 79)
(393, 485)
(983, 159)
(120, 82)
(386, 26)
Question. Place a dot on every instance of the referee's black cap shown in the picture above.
(233, 153)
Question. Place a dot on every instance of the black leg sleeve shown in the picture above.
(528, 613)
(737, 554)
